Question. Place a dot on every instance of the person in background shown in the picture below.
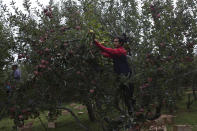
(8, 87)
(121, 66)
(16, 72)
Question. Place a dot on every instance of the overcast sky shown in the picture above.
(19, 3)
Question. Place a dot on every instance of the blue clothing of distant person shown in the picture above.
(16, 73)
(8, 87)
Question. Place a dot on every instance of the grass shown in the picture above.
(185, 116)
(67, 122)
(64, 122)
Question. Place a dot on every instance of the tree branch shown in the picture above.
(42, 123)
(75, 117)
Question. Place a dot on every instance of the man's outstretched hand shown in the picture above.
(91, 31)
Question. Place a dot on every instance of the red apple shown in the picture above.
(52, 31)
(12, 109)
(152, 7)
(43, 66)
(146, 85)
(162, 44)
(150, 113)
(48, 13)
(20, 116)
(20, 56)
(42, 39)
(71, 52)
(150, 79)
(141, 110)
(148, 55)
(170, 57)
(63, 29)
(77, 27)
(138, 113)
(47, 50)
(148, 60)
(23, 55)
(190, 45)
(91, 90)
(11, 116)
(158, 15)
(45, 10)
(46, 62)
(24, 111)
(65, 44)
(159, 69)
(36, 73)
(93, 82)
(188, 59)
(50, 9)
(137, 128)
(42, 61)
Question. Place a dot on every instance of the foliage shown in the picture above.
(62, 64)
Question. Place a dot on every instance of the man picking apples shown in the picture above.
(121, 66)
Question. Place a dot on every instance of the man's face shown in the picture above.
(13, 67)
(116, 43)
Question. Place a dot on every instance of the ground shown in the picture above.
(66, 122)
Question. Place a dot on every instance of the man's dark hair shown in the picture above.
(15, 66)
(122, 39)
